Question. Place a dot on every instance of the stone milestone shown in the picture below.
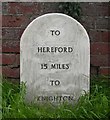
(55, 59)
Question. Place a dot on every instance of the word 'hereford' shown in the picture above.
(55, 49)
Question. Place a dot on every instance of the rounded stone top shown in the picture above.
(55, 20)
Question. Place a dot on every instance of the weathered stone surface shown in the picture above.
(55, 59)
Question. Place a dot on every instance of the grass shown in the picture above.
(94, 105)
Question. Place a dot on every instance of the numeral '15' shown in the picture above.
(44, 66)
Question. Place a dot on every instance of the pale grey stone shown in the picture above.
(74, 80)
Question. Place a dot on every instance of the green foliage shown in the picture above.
(72, 9)
(93, 105)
